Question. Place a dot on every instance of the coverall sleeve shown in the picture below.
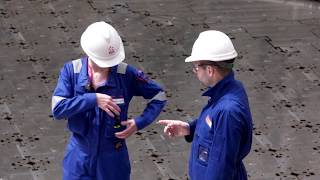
(225, 146)
(192, 126)
(64, 103)
(150, 90)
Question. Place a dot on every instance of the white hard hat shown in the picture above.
(212, 46)
(102, 43)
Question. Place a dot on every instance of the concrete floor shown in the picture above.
(279, 63)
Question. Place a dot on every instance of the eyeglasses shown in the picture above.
(195, 67)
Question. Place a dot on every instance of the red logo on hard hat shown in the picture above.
(111, 50)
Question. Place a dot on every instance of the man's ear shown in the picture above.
(211, 70)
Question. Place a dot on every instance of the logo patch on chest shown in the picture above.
(208, 121)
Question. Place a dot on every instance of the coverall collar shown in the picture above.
(217, 91)
(84, 77)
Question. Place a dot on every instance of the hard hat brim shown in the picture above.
(223, 57)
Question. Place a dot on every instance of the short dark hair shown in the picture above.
(228, 64)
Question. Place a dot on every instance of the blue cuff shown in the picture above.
(140, 123)
(192, 127)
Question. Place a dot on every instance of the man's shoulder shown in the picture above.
(228, 103)
(71, 66)
(131, 68)
(128, 69)
(124, 68)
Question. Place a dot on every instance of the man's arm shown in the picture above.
(64, 103)
(154, 93)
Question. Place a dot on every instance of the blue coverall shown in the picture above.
(93, 152)
(222, 135)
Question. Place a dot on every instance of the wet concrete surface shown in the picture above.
(279, 58)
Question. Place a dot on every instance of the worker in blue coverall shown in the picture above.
(93, 94)
(222, 134)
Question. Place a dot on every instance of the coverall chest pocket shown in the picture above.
(113, 125)
(201, 152)
(205, 138)
(204, 149)
(211, 143)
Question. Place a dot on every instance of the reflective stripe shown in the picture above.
(55, 101)
(118, 101)
(77, 64)
(161, 96)
(122, 68)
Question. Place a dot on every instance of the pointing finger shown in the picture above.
(164, 122)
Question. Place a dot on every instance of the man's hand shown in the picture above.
(131, 128)
(106, 103)
(175, 128)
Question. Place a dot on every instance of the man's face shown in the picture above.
(201, 70)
